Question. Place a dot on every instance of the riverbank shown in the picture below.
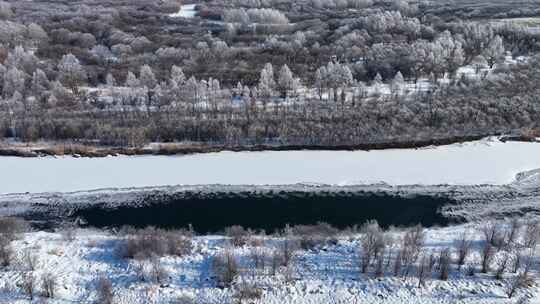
(76, 149)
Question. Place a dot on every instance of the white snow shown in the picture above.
(330, 275)
(186, 11)
(487, 161)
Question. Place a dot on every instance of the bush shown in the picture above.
(6, 252)
(149, 242)
(444, 264)
(29, 260)
(247, 292)
(104, 291)
(11, 227)
(48, 285)
(225, 268)
(28, 285)
(312, 236)
(238, 235)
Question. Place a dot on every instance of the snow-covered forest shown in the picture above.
(239, 73)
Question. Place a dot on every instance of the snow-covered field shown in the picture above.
(330, 274)
(487, 161)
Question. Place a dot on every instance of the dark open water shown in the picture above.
(270, 210)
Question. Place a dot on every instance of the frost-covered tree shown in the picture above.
(285, 81)
(494, 52)
(132, 81)
(320, 81)
(479, 63)
(22, 59)
(5, 10)
(377, 83)
(40, 83)
(71, 73)
(397, 83)
(110, 81)
(3, 72)
(37, 33)
(333, 76)
(267, 83)
(452, 52)
(177, 75)
(147, 77)
(14, 81)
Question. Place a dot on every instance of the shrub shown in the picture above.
(11, 227)
(444, 264)
(238, 235)
(463, 249)
(48, 285)
(225, 268)
(158, 273)
(29, 260)
(149, 242)
(247, 292)
(28, 285)
(105, 293)
(6, 252)
(312, 236)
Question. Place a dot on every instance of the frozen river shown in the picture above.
(482, 162)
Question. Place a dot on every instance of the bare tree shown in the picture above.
(502, 264)
(493, 233)
(423, 271)
(463, 249)
(522, 280)
(158, 273)
(531, 234)
(225, 268)
(28, 284)
(380, 265)
(258, 257)
(48, 285)
(513, 232)
(516, 261)
(398, 264)
(486, 256)
(413, 241)
(444, 264)
(372, 243)
(29, 260)
(287, 246)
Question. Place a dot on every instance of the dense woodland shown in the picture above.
(245, 72)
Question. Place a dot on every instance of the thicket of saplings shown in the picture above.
(222, 91)
(507, 252)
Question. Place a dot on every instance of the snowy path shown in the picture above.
(488, 161)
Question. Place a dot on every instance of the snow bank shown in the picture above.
(488, 161)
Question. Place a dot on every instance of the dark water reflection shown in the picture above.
(270, 210)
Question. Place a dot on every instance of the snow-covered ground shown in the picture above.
(186, 11)
(487, 161)
(326, 275)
